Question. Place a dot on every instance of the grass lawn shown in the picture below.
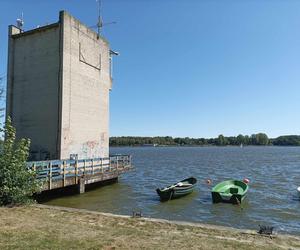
(43, 227)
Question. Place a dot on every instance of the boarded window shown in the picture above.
(90, 55)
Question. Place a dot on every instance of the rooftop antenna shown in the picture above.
(100, 23)
(20, 22)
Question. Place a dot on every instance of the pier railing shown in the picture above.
(61, 173)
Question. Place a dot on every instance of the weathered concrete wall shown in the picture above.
(85, 91)
(58, 89)
(12, 30)
(32, 96)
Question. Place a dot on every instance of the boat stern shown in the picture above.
(216, 197)
(165, 195)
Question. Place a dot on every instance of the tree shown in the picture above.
(246, 140)
(221, 141)
(17, 182)
(262, 139)
(240, 139)
(287, 140)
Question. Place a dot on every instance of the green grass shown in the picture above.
(47, 228)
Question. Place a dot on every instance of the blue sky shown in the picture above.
(196, 68)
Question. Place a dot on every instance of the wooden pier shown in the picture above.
(62, 173)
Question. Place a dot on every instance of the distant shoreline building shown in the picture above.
(59, 78)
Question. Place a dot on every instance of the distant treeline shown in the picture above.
(255, 139)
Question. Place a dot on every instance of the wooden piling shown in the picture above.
(64, 173)
(81, 185)
(50, 175)
(76, 171)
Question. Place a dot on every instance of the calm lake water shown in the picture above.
(274, 174)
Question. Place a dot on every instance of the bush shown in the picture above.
(17, 182)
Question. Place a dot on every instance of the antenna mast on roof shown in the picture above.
(20, 22)
(100, 23)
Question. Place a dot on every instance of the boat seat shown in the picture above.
(234, 190)
(180, 184)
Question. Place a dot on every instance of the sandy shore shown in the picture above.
(49, 227)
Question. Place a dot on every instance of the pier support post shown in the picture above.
(81, 185)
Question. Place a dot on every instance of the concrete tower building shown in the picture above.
(58, 89)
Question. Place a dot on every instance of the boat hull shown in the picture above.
(232, 191)
(177, 192)
(233, 199)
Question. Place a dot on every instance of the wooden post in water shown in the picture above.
(84, 166)
(76, 171)
(81, 185)
(109, 165)
(50, 175)
(92, 166)
(64, 173)
(117, 163)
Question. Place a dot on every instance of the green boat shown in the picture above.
(232, 191)
(177, 190)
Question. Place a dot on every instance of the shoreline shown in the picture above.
(159, 220)
(43, 227)
(201, 146)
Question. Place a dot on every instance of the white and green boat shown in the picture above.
(177, 190)
(231, 191)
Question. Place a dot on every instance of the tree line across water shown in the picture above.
(255, 139)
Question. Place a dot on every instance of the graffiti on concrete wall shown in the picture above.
(96, 148)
